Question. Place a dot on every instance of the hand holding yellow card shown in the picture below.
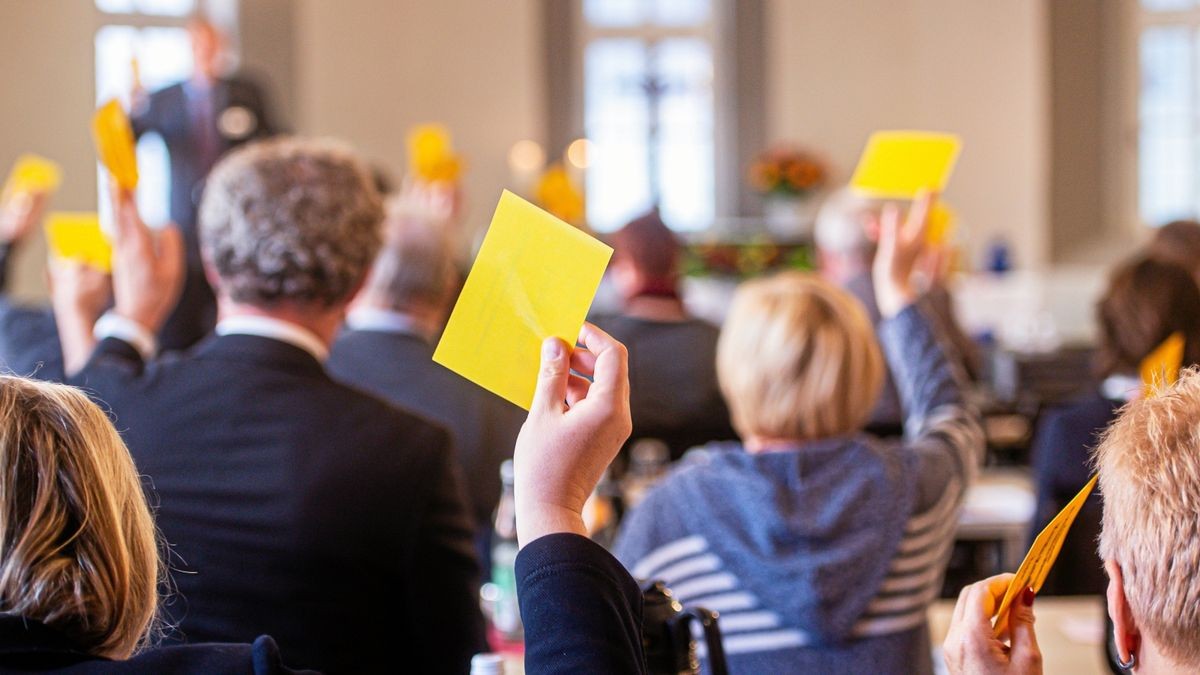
(1036, 566)
(535, 276)
(31, 175)
(1161, 368)
(77, 236)
(901, 164)
(114, 144)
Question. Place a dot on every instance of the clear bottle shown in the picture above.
(487, 664)
(506, 612)
(649, 460)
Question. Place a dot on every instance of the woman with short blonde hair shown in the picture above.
(820, 546)
(79, 561)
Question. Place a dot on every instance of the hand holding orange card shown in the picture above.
(114, 144)
(77, 236)
(535, 276)
(1033, 570)
(31, 175)
(901, 164)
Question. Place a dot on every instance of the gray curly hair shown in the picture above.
(290, 219)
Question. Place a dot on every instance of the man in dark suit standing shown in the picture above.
(293, 506)
(199, 120)
(387, 349)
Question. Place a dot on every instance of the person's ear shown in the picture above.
(1126, 635)
(625, 276)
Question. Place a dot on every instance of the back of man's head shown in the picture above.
(649, 246)
(1178, 242)
(290, 221)
(415, 268)
(841, 226)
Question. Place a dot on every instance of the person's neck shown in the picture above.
(321, 321)
(1151, 661)
(656, 308)
(760, 444)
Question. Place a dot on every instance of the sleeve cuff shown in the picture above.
(113, 325)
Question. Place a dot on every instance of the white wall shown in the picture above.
(839, 69)
(367, 70)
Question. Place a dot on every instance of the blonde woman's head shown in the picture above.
(798, 360)
(78, 550)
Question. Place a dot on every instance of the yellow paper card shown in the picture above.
(114, 144)
(77, 236)
(1161, 368)
(32, 174)
(431, 154)
(1036, 566)
(535, 276)
(900, 164)
(943, 223)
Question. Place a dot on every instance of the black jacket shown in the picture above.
(28, 335)
(239, 114)
(297, 507)
(28, 646)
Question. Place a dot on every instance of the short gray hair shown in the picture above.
(416, 265)
(290, 219)
(841, 223)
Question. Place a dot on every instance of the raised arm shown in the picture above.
(582, 610)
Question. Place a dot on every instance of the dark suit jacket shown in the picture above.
(399, 367)
(1060, 454)
(298, 507)
(28, 335)
(28, 646)
(169, 114)
(581, 609)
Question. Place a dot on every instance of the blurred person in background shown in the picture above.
(1145, 302)
(672, 355)
(821, 546)
(294, 506)
(28, 335)
(79, 560)
(1179, 242)
(386, 348)
(847, 230)
(199, 120)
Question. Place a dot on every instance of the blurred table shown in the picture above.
(999, 508)
(1070, 633)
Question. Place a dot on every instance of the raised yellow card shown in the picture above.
(1161, 367)
(901, 164)
(535, 276)
(32, 174)
(77, 236)
(1036, 566)
(943, 224)
(114, 144)
(431, 154)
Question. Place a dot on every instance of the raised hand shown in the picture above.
(19, 214)
(148, 270)
(972, 649)
(574, 430)
(901, 246)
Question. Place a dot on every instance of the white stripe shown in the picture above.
(690, 567)
(888, 625)
(671, 552)
(713, 583)
(944, 511)
(907, 582)
(762, 642)
(746, 621)
(726, 602)
(927, 542)
(922, 521)
(897, 603)
(930, 558)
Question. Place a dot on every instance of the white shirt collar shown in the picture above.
(1121, 387)
(385, 321)
(275, 329)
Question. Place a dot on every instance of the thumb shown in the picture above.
(551, 392)
(1024, 652)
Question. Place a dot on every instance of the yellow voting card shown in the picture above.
(114, 144)
(77, 236)
(900, 164)
(431, 154)
(535, 276)
(32, 174)
(1161, 368)
(1033, 570)
(943, 224)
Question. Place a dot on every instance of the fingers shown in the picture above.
(981, 600)
(577, 389)
(1024, 651)
(553, 376)
(918, 216)
(889, 229)
(611, 372)
(583, 361)
(171, 251)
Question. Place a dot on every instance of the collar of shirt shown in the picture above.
(275, 329)
(1121, 387)
(385, 321)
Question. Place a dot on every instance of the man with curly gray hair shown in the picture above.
(294, 506)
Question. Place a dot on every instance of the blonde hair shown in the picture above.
(1149, 466)
(78, 549)
(797, 359)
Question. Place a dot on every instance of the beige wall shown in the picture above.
(840, 69)
(367, 70)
